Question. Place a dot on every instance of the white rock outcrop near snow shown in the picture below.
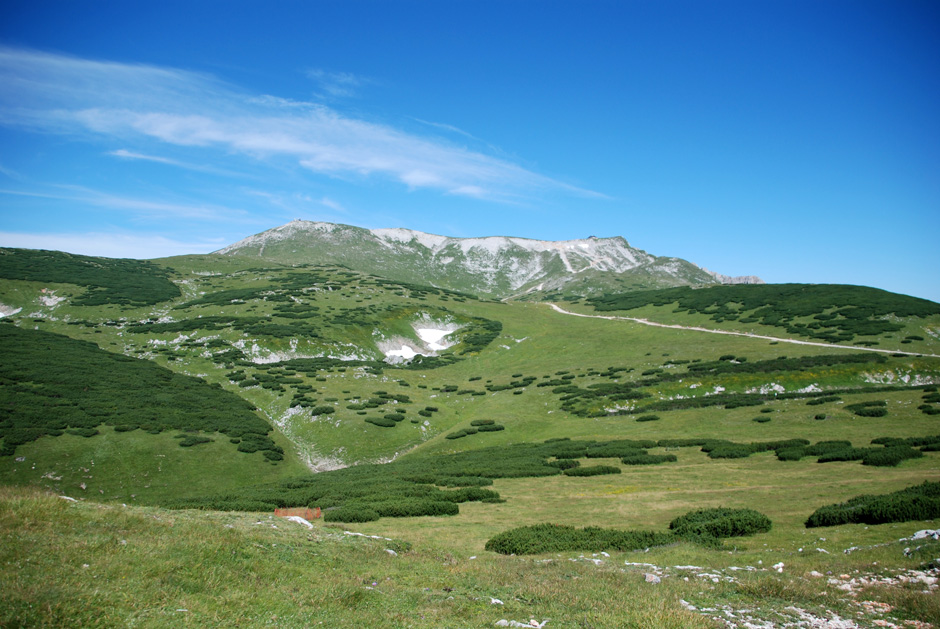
(497, 265)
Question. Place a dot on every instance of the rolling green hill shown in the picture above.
(443, 419)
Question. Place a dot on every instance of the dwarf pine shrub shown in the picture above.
(472, 494)
(920, 502)
(721, 522)
(415, 507)
(844, 454)
(791, 454)
(874, 408)
(564, 464)
(460, 481)
(593, 470)
(648, 459)
(731, 451)
(543, 538)
(350, 514)
(890, 457)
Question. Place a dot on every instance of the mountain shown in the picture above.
(495, 266)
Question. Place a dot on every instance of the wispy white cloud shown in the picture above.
(110, 245)
(338, 84)
(147, 158)
(12, 174)
(140, 208)
(59, 94)
(297, 203)
(131, 155)
(333, 205)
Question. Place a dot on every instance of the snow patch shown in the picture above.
(433, 333)
(8, 311)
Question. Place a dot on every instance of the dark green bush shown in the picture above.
(472, 494)
(395, 417)
(543, 538)
(647, 418)
(564, 464)
(920, 502)
(491, 428)
(462, 481)
(824, 447)
(761, 420)
(731, 451)
(845, 454)
(890, 457)
(791, 454)
(381, 422)
(223, 503)
(721, 522)
(875, 408)
(350, 514)
(648, 459)
(594, 470)
(416, 507)
(322, 410)
(482, 422)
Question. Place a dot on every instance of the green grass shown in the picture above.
(136, 467)
(84, 564)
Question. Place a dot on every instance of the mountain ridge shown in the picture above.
(494, 266)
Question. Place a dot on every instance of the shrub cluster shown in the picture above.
(544, 538)
(74, 386)
(720, 522)
(705, 526)
(874, 408)
(648, 459)
(593, 470)
(840, 312)
(110, 281)
(920, 502)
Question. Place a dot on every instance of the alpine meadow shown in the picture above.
(463, 433)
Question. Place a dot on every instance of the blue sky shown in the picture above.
(796, 140)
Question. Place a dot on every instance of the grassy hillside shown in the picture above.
(838, 314)
(480, 435)
(106, 565)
